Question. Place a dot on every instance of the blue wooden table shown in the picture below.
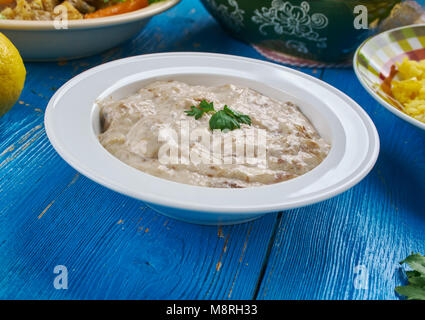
(114, 247)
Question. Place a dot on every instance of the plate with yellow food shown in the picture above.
(391, 67)
(45, 30)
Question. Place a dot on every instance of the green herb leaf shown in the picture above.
(153, 1)
(206, 107)
(416, 262)
(222, 120)
(194, 112)
(226, 119)
(199, 111)
(415, 290)
(241, 118)
(412, 292)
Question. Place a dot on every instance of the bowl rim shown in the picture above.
(229, 204)
(365, 85)
(147, 12)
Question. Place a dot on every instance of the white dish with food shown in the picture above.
(63, 39)
(73, 124)
(274, 141)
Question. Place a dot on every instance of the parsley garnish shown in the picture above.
(226, 119)
(199, 111)
(415, 290)
(222, 120)
(241, 118)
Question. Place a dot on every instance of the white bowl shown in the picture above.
(42, 41)
(72, 125)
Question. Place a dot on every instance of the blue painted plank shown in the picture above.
(116, 248)
(374, 225)
(113, 246)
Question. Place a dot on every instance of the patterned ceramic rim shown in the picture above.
(374, 58)
(284, 58)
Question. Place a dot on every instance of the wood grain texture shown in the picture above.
(113, 246)
(116, 248)
(375, 224)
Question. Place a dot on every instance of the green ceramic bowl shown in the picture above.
(320, 30)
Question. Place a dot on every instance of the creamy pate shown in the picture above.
(132, 129)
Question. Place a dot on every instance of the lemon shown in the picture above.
(12, 74)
